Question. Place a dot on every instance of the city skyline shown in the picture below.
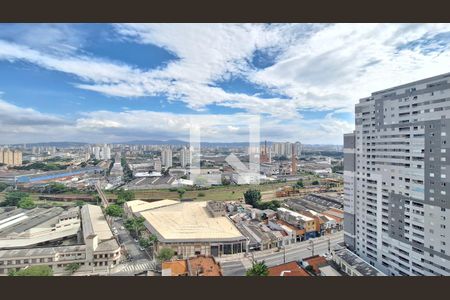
(120, 82)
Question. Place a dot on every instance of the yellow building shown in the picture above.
(11, 158)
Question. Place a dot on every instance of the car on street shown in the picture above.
(136, 240)
(122, 228)
(141, 248)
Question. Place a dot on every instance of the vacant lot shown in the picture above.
(221, 193)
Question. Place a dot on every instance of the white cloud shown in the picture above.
(313, 67)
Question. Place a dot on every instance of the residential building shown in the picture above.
(200, 265)
(397, 179)
(351, 264)
(185, 157)
(11, 157)
(288, 269)
(166, 157)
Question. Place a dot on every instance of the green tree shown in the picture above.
(55, 188)
(26, 203)
(114, 210)
(72, 267)
(13, 198)
(33, 271)
(135, 225)
(299, 184)
(315, 182)
(124, 196)
(252, 196)
(181, 193)
(149, 241)
(309, 268)
(165, 254)
(258, 269)
(79, 203)
(3, 186)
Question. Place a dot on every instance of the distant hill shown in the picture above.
(53, 144)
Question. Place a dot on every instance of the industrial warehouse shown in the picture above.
(193, 228)
(56, 238)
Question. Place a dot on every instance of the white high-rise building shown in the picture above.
(397, 179)
(185, 157)
(96, 152)
(106, 152)
(166, 157)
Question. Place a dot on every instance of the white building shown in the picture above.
(166, 157)
(397, 179)
(185, 157)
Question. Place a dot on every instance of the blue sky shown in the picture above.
(117, 82)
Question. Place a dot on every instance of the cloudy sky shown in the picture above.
(119, 82)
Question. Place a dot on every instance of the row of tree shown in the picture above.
(19, 199)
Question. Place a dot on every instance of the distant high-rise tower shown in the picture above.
(293, 161)
(185, 157)
(166, 157)
(11, 158)
(264, 156)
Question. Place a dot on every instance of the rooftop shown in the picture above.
(203, 266)
(94, 223)
(38, 252)
(174, 268)
(138, 205)
(356, 262)
(287, 269)
(189, 221)
(316, 262)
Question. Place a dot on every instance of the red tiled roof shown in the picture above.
(288, 269)
(316, 262)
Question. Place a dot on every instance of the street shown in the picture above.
(237, 265)
(140, 260)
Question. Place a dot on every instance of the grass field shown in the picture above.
(220, 193)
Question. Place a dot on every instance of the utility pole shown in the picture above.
(284, 254)
(329, 245)
(312, 247)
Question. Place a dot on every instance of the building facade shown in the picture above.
(397, 179)
(166, 157)
(11, 158)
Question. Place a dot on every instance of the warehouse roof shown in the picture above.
(189, 221)
(138, 205)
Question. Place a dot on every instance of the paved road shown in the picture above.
(140, 261)
(236, 266)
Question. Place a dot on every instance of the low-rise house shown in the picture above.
(352, 264)
(288, 269)
(299, 220)
(316, 262)
(200, 265)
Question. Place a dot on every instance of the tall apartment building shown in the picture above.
(166, 157)
(397, 179)
(185, 157)
(286, 149)
(11, 158)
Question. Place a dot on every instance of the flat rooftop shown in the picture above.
(138, 205)
(20, 220)
(94, 222)
(39, 252)
(189, 221)
(356, 262)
